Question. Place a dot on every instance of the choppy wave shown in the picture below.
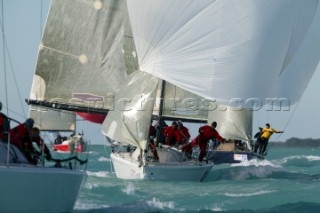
(129, 188)
(256, 162)
(157, 206)
(249, 187)
(242, 173)
(160, 205)
(301, 160)
(98, 174)
(103, 159)
(248, 194)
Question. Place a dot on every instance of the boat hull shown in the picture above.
(220, 157)
(65, 148)
(39, 189)
(126, 168)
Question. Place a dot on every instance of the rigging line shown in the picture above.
(41, 8)
(6, 49)
(4, 56)
(287, 123)
(285, 126)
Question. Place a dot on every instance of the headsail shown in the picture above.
(129, 122)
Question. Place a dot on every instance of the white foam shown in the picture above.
(249, 194)
(98, 174)
(91, 185)
(81, 205)
(103, 159)
(161, 205)
(308, 157)
(256, 162)
(129, 189)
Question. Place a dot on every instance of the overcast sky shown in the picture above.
(23, 21)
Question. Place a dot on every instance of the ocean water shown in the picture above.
(288, 181)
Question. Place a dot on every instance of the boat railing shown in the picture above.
(10, 155)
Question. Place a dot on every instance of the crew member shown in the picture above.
(170, 134)
(183, 135)
(205, 134)
(265, 136)
(20, 137)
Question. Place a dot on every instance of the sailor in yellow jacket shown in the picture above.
(265, 136)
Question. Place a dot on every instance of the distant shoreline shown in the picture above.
(297, 142)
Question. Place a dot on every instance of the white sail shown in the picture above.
(81, 57)
(182, 104)
(129, 122)
(227, 49)
(232, 123)
(50, 120)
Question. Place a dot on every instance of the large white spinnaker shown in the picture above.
(226, 49)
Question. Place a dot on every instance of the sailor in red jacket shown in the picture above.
(205, 134)
(183, 135)
(170, 134)
(20, 137)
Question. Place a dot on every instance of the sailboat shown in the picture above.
(26, 187)
(45, 186)
(236, 54)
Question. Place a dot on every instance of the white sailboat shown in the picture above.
(234, 53)
(29, 188)
(130, 125)
(47, 186)
(79, 67)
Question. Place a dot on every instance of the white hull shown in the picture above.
(38, 189)
(126, 167)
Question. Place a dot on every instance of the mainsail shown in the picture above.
(83, 58)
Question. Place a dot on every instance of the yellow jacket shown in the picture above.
(267, 132)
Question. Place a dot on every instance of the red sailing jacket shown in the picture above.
(183, 130)
(206, 133)
(171, 135)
